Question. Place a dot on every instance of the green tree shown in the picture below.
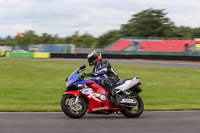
(196, 33)
(46, 39)
(58, 40)
(8, 41)
(30, 38)
(1, 41)
(108, 38)
(49, 39)
(70, 38)
(186, 31)
(150, 23)
(85, 40)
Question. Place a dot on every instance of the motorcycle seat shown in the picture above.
(122, 82)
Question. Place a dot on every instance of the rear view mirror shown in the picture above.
(83, 66)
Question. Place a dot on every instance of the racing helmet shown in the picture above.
(93, 57)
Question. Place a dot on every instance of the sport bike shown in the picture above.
(89, 96)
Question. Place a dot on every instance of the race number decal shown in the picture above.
(89, 92)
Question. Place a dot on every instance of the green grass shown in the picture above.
(38, 85)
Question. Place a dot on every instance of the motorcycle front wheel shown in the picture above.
(135, 111)
(72, 108)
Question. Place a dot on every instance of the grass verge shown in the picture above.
(38, 85)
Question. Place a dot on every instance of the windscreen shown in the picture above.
(73, 74)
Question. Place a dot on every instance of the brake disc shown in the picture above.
(74, 106)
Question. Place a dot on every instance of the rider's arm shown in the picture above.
(104, 68)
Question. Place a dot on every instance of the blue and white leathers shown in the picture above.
(104, 69)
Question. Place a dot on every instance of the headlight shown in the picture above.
(68, 83)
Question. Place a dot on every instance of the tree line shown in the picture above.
(147, 23)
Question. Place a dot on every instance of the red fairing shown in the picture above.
(75, 93)
(98, 88)
(93, 95)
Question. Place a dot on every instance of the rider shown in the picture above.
(104, 69)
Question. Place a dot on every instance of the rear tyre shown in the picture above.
(135, 111)
(72, 109)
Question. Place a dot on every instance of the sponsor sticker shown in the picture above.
(100, 108)
(91, 94)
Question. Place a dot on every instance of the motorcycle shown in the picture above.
(89, 96)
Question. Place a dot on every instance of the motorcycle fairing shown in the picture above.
(97, 95)
(127, 84)
(93, 92)
(75, 93)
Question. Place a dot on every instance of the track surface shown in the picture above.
(149, 122)
(164, 63)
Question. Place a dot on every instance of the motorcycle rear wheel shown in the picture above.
(136, 111)
(72, 109)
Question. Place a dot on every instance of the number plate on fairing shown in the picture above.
(128, 101)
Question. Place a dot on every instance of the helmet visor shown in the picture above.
(92, 59)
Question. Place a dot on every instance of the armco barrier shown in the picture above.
(41, 55)
(19, 55)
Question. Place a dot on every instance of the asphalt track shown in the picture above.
(163, 63)
(57, 122)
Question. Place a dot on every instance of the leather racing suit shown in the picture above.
(104, 69)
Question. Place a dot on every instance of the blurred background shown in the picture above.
(58, 26)
(128, 29)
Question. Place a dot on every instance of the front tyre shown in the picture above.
(71, 108)
(135, 111)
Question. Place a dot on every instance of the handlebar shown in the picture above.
(84, 76)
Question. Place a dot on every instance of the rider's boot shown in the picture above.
(115, 96)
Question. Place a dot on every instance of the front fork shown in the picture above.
(74, 93)
(77, 99)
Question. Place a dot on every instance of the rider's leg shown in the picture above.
(108, 84)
